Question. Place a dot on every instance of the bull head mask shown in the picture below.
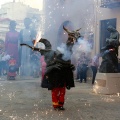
(73, 35)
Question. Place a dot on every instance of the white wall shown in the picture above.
(79, 12)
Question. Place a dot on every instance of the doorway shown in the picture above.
(104, 33)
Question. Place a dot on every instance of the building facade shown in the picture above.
(17, 11)
(3, 27)
(73, 14)
(107, 13)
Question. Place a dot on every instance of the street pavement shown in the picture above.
(24, 99)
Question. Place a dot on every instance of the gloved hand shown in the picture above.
(68, 87)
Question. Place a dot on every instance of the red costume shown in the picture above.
(12, 62)
(58, 95)
(11, 74)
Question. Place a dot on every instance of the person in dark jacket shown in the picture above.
(59, 76)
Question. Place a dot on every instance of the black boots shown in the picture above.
(59, 108)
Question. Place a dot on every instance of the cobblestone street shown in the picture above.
(26, 100)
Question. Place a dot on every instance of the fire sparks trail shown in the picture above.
(37, 38)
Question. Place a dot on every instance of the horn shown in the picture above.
(46, 43)
(66, 29)
(78, 29)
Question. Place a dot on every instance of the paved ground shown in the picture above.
(24, 99)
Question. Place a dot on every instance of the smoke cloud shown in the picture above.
(78, 48)
(66, 53)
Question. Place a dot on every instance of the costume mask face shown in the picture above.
(72, 35)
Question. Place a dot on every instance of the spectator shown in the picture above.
(79, 70)
(84, 63)
(94, 66)
(5, 59)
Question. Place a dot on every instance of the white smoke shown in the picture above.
(41, 45)
(81, 46)
(78, 48)
(66, 53)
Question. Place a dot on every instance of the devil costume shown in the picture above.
(59, 72)
(59, 78)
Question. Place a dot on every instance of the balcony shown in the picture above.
(110, 3)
